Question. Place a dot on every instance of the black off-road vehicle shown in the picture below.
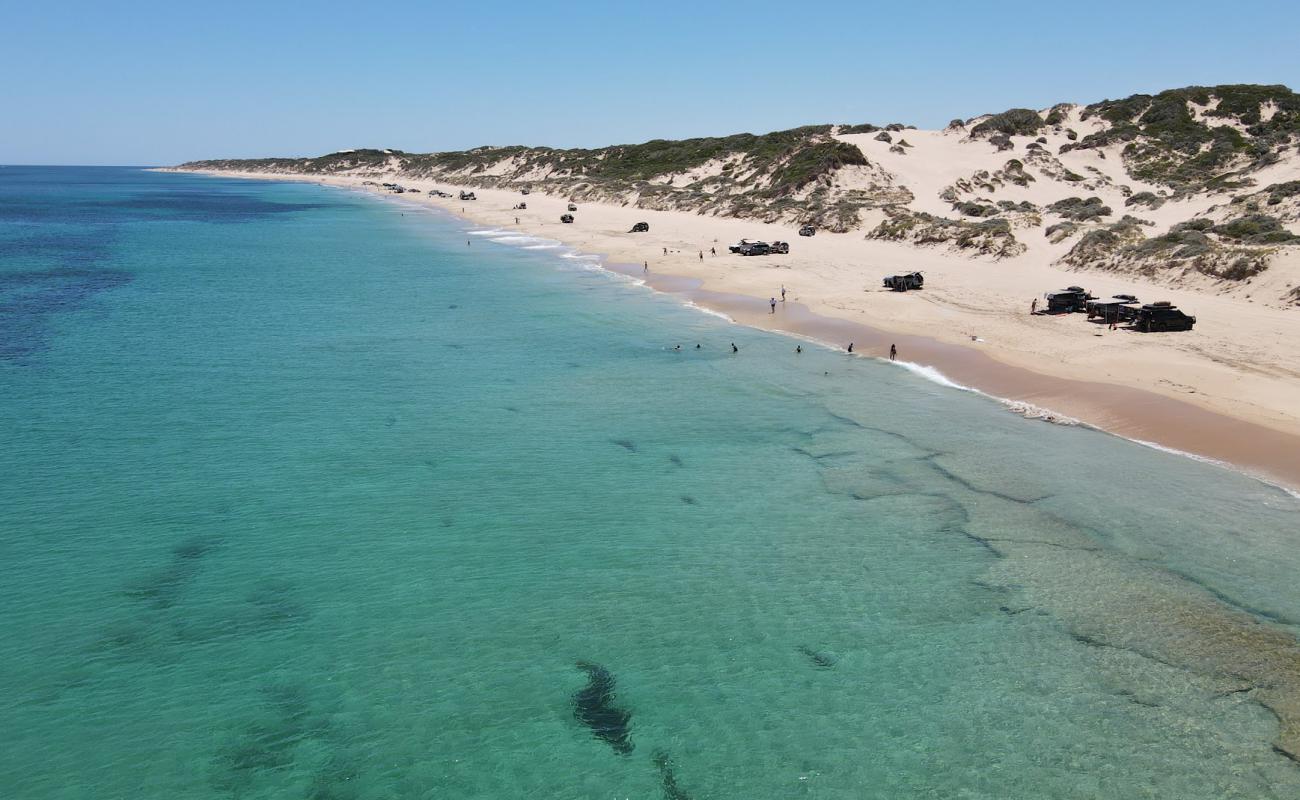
(807, 230)
(641, 227)
(468, 196)
(566, 218)
(902, 283)
(1162, 316)
(1068, 300)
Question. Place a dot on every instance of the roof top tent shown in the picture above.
(1109, 306)
(566, 218)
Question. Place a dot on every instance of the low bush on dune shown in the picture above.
(1079, 209)
(1281, 191)
(1015, 122)
(971, 209)
(991, 237)
(1256, 229)
(1001, 141)
(1148, 199)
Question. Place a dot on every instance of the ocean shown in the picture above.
(309, 493)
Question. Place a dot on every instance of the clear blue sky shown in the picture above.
(162, 82)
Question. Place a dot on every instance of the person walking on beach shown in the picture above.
(713, 251)
(646, 268)
(783, 293)
(665, 251)
(893, 352)
(1033, 306)
(773, 302)
(850, 347)
(701, 255)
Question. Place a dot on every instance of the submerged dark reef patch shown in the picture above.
(667, 778)
(28, 299)
(819, 660)
(595, 705)
(163, 588)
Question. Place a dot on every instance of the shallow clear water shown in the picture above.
(306, 496)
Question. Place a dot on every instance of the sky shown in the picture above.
(146, 83)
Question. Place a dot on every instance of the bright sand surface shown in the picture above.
(1229, 390)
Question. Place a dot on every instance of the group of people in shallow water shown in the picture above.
(893, 349)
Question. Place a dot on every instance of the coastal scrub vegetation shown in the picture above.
(1198, 137)
(1080, 210)
(1014, 122)
(991, 237)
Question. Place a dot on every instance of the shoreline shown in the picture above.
(1145, 417)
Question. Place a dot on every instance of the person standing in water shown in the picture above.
(850, 347)
(734, 349)
(893, 352)
(798, 348)
(773, 303)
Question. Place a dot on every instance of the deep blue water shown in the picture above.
(304, 497)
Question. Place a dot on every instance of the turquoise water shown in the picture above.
(306, 497)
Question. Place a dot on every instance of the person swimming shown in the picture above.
(734, 349)
(697, 345)
(798, 348)
(850, 347)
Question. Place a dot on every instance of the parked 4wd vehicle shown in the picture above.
(755, 249)
(901, 283)
(1068, 300)
(1162, 316)
(640, 227)
(566, 218)
(467, 196)
(1107, 307)
(807, 230)
(781, 248)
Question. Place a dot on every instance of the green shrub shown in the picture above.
(1015, 122)
(1079, 209)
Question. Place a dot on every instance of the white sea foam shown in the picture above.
(709, 311)
(934, 375)
(520, 240)
(1031, 411)
(489, 232)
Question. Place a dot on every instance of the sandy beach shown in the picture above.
(1228, 390)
